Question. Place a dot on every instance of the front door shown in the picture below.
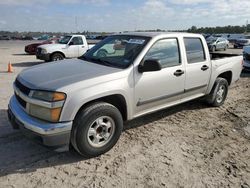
(74, 47)
(154, 90)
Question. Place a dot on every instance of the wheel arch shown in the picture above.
(57, 52)
(116, 100)
(226, 75)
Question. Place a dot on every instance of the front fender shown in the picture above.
(77, 99)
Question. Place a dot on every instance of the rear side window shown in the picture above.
(166, 51)
(194, 49)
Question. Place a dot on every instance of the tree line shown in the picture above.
(210, 30)
(216, 30)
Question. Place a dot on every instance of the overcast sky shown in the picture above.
(111, 15)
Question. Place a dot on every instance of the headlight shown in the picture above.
(43, 51)
(48, 105)
(48, 96)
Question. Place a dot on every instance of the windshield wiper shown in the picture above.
(99, 61)
(105, 62)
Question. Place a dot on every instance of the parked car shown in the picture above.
(233, 37)
(32, 48)
(83, 102)
(100, 37)
(240, 43)
(217, 44)
(70, 46)
(27, 38)
(4, 37)
(246, 56)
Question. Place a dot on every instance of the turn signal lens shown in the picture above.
(55, 114)
(58, 96)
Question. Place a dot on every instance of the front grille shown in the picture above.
(22, 87)
(38, 51)
(21, 101)
(25, 90)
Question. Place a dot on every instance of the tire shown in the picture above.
(213, 49)
(96, 129)
(219, 92)
(57, 57)
(102, 53)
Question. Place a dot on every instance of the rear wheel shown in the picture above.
(219, 93)
(96, 129)
(57, 57)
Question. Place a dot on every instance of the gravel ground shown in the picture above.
(190, 145)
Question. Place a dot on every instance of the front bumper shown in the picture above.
(45, 57)
(49, 134)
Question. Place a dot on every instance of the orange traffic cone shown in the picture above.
(10, 69)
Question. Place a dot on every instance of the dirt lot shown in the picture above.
(190, 145)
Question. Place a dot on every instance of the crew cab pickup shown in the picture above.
(82, 103)
(71, 46)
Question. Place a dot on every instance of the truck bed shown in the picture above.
(218, 55)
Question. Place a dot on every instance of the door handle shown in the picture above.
(204, 67)
(179, 72)
(83, 46)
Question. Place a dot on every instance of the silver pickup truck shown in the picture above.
(82, 103)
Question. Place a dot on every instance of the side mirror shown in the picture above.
(149, 65)
(71, 43)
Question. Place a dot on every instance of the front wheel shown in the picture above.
(219, 92)
(57, 57)
(96, 129)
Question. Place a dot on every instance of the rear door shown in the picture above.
(198, 68)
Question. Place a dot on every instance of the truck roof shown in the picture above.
(154, 34)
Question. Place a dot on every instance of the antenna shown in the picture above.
(246, 25)
(76, 24)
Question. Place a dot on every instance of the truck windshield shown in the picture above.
(65, 40)
(117, 51)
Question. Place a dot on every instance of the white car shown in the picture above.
(70, 46)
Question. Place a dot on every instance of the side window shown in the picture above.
(194, 49)
(77, 41)
(166, 51)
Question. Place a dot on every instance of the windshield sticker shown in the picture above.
(136, 41)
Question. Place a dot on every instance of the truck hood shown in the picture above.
(53, 76)
(53, 46)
